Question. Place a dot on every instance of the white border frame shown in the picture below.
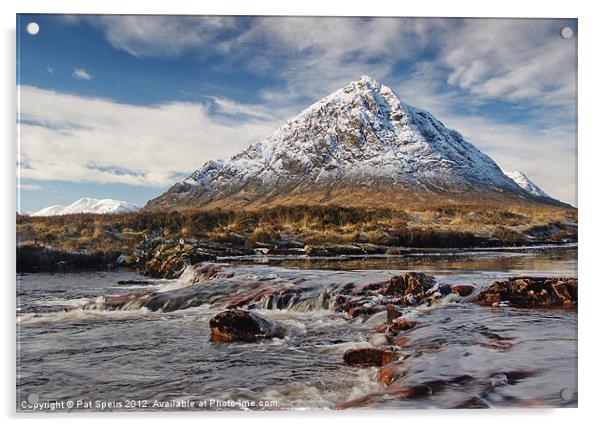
(590, 156)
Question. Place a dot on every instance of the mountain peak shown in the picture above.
(88, 205)
(364, 82)
(359, 139)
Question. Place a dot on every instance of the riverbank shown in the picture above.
(163, 244)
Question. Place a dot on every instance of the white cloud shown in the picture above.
(512, 59)
(74, 138)
(311, 56)
(81, 74)
(233, 108)
(507, 59)
(29, 187)
(160, 36)
(315, 56)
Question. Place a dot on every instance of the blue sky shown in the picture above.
(123, 106)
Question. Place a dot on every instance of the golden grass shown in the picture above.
(448, 225)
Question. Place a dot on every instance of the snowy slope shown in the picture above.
(49, 211)
(89, 205)
(525, 183)
(360, 135)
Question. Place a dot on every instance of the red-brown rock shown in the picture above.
(364, 310)
(402, 324)
(462, 290)
(243, 325)
(368, 356)
(531, 292)
(401, 341)
(392, 313)
(116, 302)
(390, 373)
(411, 287)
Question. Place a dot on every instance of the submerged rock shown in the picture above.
(401, 324)
(117, 302)
(531, 292)
(402, 391)
(391, 372)
(472, 403)
(392, 313)
(243, 325)
(369, 356)
(133, 282)
(462, 290)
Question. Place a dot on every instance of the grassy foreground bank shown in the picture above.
(457, 226)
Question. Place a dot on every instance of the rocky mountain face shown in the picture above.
(88, 205)
(359, 146)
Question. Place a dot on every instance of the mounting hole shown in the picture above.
(566, 33)
(33, 28)
(567, 394)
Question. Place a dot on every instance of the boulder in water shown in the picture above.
(390, 373)
(392, 313)
(133, 282)
(116, 302)
(242, 325)
(411, 287)
(369, 356)
(531, 292)
(462, 290)
(401, 324)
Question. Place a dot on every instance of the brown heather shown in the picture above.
(466, 225)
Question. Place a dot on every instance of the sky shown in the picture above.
(122, 107)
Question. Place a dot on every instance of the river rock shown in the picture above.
(365, 309)
(401, 324)
(116, 302)
(168, 259)
(133, 282)
(392, 313)
(462, 290)
(243, 325)
(472, 403)
(368, 356)
(411, 287)
(391, 372)
(531, 292)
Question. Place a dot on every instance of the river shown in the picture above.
(137, 359)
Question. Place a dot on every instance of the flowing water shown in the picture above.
(137, 359)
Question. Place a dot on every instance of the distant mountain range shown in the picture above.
(89, 205)
(359, 146)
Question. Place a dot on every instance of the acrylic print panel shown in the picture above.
(283, 213)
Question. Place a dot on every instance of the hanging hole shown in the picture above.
(33, 28)
(566, 33)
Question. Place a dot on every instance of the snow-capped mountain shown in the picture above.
(357, 146)
(89, 205)
(525, 183)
